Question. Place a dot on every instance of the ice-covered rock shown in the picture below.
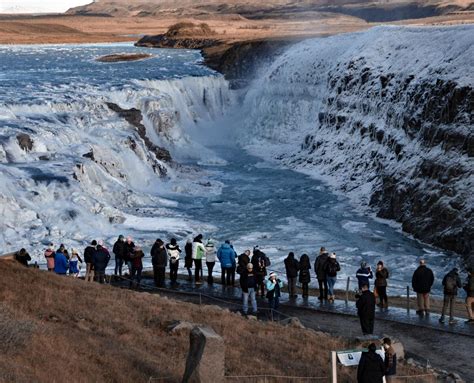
(386, 117)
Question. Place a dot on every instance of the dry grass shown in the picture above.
(59, 329)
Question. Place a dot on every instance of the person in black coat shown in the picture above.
(260, 269)
(366, 310)
(320, 270)
(159, 259)
(188, 258)
(22, 257)
(305, 275)
(89, 260)
(119, 250)
(451, 283)
(292, 266)
(371, 367)
(422, 280)
(101, 260)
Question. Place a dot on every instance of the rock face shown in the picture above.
(25, 142)
(134, 117)
(386, 119)
(205, 362)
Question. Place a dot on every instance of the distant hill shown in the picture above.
(388, 10)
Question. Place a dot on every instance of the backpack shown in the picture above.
(450, 284)
(332, 268)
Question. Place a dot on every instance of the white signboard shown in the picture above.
(352, 357)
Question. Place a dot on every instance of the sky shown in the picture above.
(39, 6)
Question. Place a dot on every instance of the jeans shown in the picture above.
(226, 276)
(305, 289)
(174, 271)
(118, 266)
(274, 303)
(253, 301)
(197, 270)
(382, 291)
(210, 267)
(448, 300)
(292, 286)
(135, 276)
(159, 276)
(323, 289)
(331, 281)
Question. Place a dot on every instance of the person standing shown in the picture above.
(119, 250)
(49, 255)
(248, 283)
(381, 276)
(22, 257)
(89, 260)
(274, 286)
(451, 283)
(260, 269)
(320, 270)
(305, 275)
(332, 268)
(469, 288)
(101, 260)
(364, 274)
(390, 360)
(242, 261)
(199, 252)
(422, 281)
(136, 265)
(188, 259)
(292, 266)
(173, 252)
(60, 263)
(159, 259)
(74, 263)
(366, 310)
(129, 251)
(226, 256)
(371, 367)
(210, 260)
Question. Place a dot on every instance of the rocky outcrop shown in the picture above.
(134, 117)
(206, 357)
(124, 57)
(163, 41)
(25, 141)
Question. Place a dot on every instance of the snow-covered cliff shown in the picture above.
(386, 117)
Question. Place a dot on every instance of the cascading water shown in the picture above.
(102, 135)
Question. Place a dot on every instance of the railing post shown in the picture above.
(408, 298)
(333, 367)
(200, 299)
(347, 289)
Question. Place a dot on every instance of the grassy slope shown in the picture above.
(58, 329)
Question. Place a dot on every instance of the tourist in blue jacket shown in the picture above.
(226, 255)
(60, 263)
(274, 286)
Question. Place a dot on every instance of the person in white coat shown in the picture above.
(199, 252)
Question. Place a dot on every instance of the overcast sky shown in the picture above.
(35, 6)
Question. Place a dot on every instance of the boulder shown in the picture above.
(25, 142)
(205, 362)
(178, 326)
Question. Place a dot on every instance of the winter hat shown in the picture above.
(158, 240)
(291, 254)
(272, 274)
(94, 243)
(380, 263)
(333, 256)
(120, 236)
(372, 347)
(363, 264)
(173, 241)
(210, 242)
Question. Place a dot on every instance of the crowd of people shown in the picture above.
(252, 267)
